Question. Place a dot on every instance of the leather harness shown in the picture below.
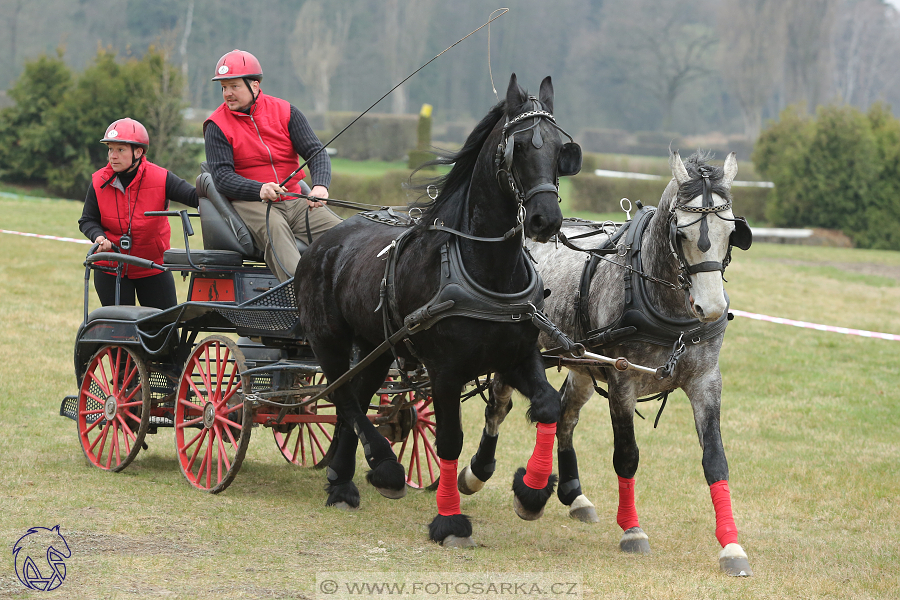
(639, 320)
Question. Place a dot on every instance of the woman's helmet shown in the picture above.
(127, 131)
(238, 64)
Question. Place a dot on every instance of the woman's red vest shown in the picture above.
(150, 236)
(260, 141)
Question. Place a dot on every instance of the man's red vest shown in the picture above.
(260, 141)
(150, 236)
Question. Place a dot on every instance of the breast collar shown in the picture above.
(458, 294)
(639, 320)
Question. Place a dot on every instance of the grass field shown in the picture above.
(810, 420)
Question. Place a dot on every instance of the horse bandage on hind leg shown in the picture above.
(447, 493)
(540, 465)
(627, 516)
(726, 530)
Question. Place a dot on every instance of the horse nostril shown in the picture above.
(699, 310)
(537, 223)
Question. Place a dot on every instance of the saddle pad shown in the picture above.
(388, 216)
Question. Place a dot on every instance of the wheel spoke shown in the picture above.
(102, 384)
(202, 437)
(194, 439)
(101, 438)
(228, 430)
(189, 423)
(222, 451)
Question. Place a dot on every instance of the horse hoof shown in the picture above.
(635, 541)
(392, 494)
(582, 510)
(467, 483)
(733, 561)
(524, 513)
(451, 541)
(343, 506)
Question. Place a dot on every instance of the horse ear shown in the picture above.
(678, 170)
(731, 169)
(546, 94)
(515, 96)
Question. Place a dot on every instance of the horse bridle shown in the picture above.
(503, 158)
(739, 237)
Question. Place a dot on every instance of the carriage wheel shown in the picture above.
(305, 444)
(113, 410)
(417, 451)
(212, 421)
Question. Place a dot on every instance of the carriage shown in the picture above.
(141, 368)
(190, 367)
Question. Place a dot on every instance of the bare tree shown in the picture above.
(865, 46)
(753, 34)
(317, 47)
(406, 31)
(659, 47)
(807, 58)
(188, 22)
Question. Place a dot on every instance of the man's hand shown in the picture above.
(321, 192)
(105, 244)
(270, 191)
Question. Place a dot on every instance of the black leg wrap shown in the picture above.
(375, 447)
(342, 465)
(483, 463)
(569, 486)
(457, 525)
(530, 499)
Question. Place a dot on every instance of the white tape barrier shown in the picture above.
(45, 237)
(737, 313)
(627, 175)
(805, 325)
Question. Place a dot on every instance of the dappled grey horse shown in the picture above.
(659, 300)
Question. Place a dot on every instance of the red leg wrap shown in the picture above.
(726, 531)
(447, 493)
(627, 516)
(540, 465)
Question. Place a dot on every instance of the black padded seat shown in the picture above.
(215, 258)
(222, 227)
(122, 313)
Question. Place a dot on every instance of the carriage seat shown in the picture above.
(222, 227)
(122, 313)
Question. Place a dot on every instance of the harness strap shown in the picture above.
(514, 231)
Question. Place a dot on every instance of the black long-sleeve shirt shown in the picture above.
(177, 189)
(220, 159)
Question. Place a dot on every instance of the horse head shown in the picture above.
(38, 543)
(702, 230)
(531, 157)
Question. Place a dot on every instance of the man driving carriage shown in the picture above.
(253, 142)
(113, 213)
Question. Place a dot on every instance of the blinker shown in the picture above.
(569, 160)
(742, 236)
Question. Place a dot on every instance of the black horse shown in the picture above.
(501, 186)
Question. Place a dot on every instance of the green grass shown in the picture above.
(810, 421)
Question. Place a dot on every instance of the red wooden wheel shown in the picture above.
(417, 451)
(212, 422)
(113, 408)
(305, 444)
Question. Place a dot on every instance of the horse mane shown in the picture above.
(449, 206)
(694, 187)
